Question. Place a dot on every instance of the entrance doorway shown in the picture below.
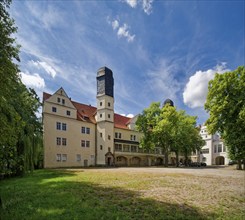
(220, 160)
(109, 159)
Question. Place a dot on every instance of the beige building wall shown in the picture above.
(71, 153)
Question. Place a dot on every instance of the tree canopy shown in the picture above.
(226, 106)
(169, 129)
(20, 136)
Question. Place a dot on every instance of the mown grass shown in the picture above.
(116, 194)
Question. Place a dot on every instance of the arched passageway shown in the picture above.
(220, 160)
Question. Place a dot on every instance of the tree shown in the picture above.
(18, 105)
(169, 129)
(226, 106)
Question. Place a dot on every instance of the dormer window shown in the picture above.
(58, 100)
(63, 101)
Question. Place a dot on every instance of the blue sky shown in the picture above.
(156, 49)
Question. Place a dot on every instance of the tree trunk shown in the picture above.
(177, 158)
(239, 164)
(166, 158)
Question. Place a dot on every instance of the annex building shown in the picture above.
(79, 135)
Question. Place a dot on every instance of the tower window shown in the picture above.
(101, 147)
(100, 103)
(101, 135)
(54, 109)
(100, 115)
(109, 137)
(109, 116)
(109, 104)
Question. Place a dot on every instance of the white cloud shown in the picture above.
(115, 24)
(147, 6)
(131, 3)
(33, 81)
(196, 89)
(130, 115)
(49, 69)
(123, 32)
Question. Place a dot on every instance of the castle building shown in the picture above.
(79, 135)
(214, 151)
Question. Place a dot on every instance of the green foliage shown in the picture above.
(169, 129)
(226, 106)
(18, 105)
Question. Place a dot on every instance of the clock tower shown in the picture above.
(105, 117)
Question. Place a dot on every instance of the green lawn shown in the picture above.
(121, 194)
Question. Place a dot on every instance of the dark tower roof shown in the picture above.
(105, 81)
(104, 71)
(168, 101)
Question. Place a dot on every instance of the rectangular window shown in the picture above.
(205, 151)
(118, 135)
(133, 148)
(64, 126)
(54, 109)
(79, 157)
(109, 104)
(100, 103)
(101, 135)
(88, 130)
(64, 157)
(58, 100)
(118, 147)
(219, 148)
(109, 116)
(100, 115)
(132, 137)
(87, 143)
(58, 141)
(82, 143)
(68, 112)
(109, 137)
(101, 147)
(63, 101)
(58, 157)
(83, 130)
(58, 125)
(64, 141)
(215, 148)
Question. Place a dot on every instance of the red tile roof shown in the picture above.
(88, 112)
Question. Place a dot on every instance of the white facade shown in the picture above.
(214, 150)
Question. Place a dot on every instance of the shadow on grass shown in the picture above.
(52, 195)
